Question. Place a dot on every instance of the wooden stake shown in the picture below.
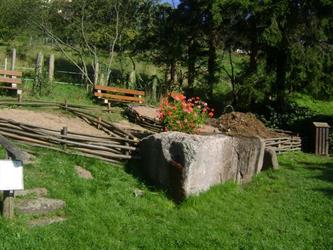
(5, 68)
(51, 68)
(64, 132)
(8, 204)
(13, 59)
(96, 73)
(109, 107)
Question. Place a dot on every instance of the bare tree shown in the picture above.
(85, 53)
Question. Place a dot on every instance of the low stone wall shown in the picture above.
(189, 164)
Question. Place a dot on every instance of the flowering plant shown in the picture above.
(183, 115)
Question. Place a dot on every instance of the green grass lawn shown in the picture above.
(291, 208)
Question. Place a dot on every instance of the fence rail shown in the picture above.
(285, 144)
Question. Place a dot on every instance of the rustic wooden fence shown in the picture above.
(285, 144)
(119, 145)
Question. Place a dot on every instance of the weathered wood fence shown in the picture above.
(119, 145)
(285, 144)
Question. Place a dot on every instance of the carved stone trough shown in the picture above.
(189, 164)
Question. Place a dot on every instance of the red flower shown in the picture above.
(211, 114)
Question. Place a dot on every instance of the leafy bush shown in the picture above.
(184, 115)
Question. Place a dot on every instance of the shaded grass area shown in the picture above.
(285, 209)
(317, 106)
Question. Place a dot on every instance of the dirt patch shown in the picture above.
(50, 120)
(126, 125)
(245, 124)
(149, 112)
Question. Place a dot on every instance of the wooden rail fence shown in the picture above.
(285, 144)
(119, 145)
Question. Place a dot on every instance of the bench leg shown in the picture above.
(19, 95)
(109, 107)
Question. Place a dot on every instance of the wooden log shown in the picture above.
(13, 152)
(52, 139)
(107, 155)
(23, 138)
(5, 122)
(73, 152)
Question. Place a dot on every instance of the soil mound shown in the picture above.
(245, 124)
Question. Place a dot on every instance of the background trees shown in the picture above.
(285, 45)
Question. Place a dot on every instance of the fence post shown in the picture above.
(96, 73)
(64, 132)
(51, 68)
(6, 63)
(38, 73)
(13, 59)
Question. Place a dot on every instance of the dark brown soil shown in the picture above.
(245, 124)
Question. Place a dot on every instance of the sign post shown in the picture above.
(11, 179)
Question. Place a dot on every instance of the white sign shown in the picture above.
(11, 175)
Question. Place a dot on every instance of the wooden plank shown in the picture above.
(10, 72)
(5, 87)
(10, 80)
(119, 90)
(120, 98)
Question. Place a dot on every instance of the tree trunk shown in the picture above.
(281, 64)
(173, 73)
(192, 57)
(212, 65)
(254, 55)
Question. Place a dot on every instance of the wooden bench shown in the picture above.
(11, 80)
(119, 94)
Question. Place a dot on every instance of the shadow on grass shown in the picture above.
(327, 191)
(325, 168)
(326, 174)
(135, 169)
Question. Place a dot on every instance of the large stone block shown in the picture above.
(189, 164)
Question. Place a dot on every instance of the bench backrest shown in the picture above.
(119, 94)
(10, 76)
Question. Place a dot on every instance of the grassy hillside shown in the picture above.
(317, 106)
(283, 209)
